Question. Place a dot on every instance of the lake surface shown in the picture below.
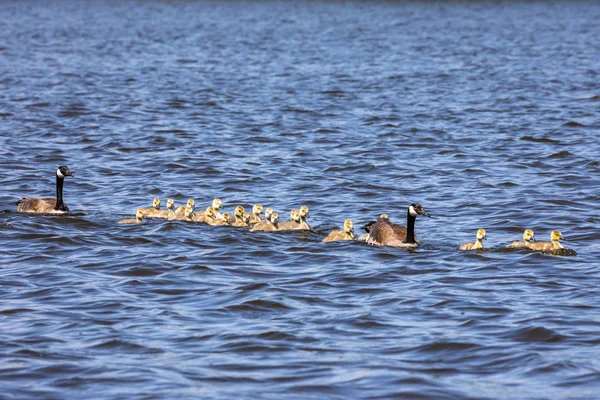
(487, 114)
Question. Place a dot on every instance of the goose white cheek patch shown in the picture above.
(59, 174)
(412, 211)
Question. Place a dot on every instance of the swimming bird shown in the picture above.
(554, 243)
(526, 243)
(303, 215)
(180, 211)
(293, 224)
(383, 233)
(223, 220)
(268, 212)
(165, 213)
(139, 214)
(367, 228)
(478, 242)
(154, 211)
(256, 211)
(267, 225)
(48, 206)
(237, 216)
(244, 220)
(209, 216)
(346, 234)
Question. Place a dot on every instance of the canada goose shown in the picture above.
(346, 234)
(256, 211)
(526, 243)
(154, 211)
(293, 224)
(303, 215)
(223, 220)
(367, 228)
(48, 206)
(238, 214)
(139, 214)
(243, 221)
(268, 225)
(478, 243)
(382, 233)
(554, 244)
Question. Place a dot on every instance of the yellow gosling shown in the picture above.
(346, 234)
(268, 225)
(478, 242)
(554, 243)
(525, 244)
(257, 210)
(139, 215)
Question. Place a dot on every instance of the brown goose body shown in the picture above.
(382, 232)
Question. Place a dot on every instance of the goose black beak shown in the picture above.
(425, 213)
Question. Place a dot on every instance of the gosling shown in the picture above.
(237, 216)
(554, 244)
(244, 220)
(525, 244)
(257, 210)
(293, 224)
(346, 234)
(139, 214)
(478, 245)
(152, 212)
(303, 215)
(223, 220)
(268, 225)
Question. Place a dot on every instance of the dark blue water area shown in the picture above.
(486, 113)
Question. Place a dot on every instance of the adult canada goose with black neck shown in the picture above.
(383, 233)
(48, 206)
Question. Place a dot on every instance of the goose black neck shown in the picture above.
(59, 193)
(410, 228)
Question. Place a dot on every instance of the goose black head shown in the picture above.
(64, 171)
(367, 226)
(416, 209)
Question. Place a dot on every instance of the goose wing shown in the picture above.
(383, 234)
(33, 205)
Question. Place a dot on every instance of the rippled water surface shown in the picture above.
(485, 113)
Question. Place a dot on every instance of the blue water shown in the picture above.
(485, 113)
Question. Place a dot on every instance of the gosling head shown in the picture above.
(171, 204)
(274, 218)
(64, 171)
(246, 218)
(304, 212)
(191, 203)
(555, 236)
(268, 212)
(210, 213)
(156, 203)
(416, 209)
(139, 214)
(528, 235)
(257, 209)
(189, 212)
(225, 217)
(239, 211)
(481, 234)
(295, 215)
(348, 227)
(217, 204)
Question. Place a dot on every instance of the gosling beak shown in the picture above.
(563, 238)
